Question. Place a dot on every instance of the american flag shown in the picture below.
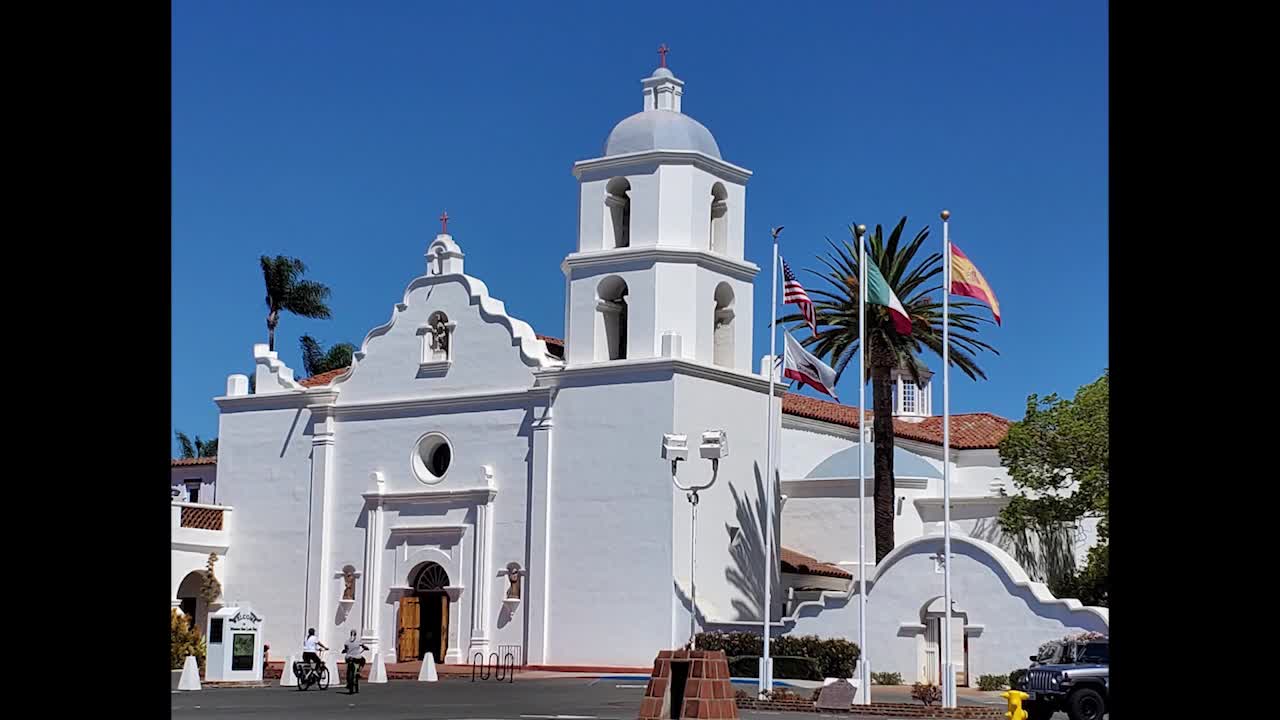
(793, 292)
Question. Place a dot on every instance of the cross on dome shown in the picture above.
(662, 54)
(444, 223)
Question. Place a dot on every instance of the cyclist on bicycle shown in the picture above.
(354, 650)
(311, 647)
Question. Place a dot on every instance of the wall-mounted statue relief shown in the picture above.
(513, 581)
(349, 583)
(438, 328)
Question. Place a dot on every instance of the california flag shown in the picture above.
(799, 365)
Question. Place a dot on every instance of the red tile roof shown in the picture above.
(969, 431)
(800, 564)
(182, 462)
(554, 345)
(323, 378)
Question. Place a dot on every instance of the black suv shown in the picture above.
(1074, 680)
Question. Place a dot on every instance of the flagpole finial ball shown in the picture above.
(946, 214)
(862, 230)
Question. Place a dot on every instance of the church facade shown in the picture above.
(470, 486)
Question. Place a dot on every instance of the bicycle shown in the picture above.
(309, 674)
(353, 674)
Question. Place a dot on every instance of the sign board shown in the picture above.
(234, 645)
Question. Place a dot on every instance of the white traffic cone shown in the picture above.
(190, 679)
(428, 671)
(378, 673)
(287, 678)
(332, 663)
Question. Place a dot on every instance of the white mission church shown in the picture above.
(469, 485)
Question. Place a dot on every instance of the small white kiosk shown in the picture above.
(234, 645)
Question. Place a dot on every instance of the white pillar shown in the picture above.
(371, 602)
(480, 572)
(538, 578)
(319, 590)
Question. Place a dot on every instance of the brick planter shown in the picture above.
(707, 693)
(894, 710)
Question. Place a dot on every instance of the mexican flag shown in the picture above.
(879, 293)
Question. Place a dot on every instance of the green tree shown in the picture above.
(210, 588)
(916, 283)
(196, 448)
(288, 292)
(184, 640)
(316, 360)
(1059, 458)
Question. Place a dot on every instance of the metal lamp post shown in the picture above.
(715, 445)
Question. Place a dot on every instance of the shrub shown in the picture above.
(784, 667)
(732, 643)
(836, 657)
(992, 682)
(782, 694)
(184, 640)
(886, 678)
(740, 694)
(926, 693)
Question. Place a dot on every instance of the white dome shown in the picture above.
(660, 130)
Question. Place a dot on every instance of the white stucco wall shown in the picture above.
(610, 528)
(730, 574)
(1006, 615)
(264, 470)
(180, 476)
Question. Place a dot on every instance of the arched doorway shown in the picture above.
(190, 601)
(423, 622)
(931, 616)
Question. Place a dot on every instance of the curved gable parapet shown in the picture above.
(1012, 571)
(533, 351)
(1008, 567)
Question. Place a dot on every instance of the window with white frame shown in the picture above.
(908, 397)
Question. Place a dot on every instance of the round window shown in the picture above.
(431, 458)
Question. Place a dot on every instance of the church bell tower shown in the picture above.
(659, 269)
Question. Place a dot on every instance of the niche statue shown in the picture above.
(440, 339)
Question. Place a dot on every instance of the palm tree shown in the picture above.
(315, 360)
(287, 291)
(197, 448)
(837, 309)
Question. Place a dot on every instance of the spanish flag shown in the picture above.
(967, 281)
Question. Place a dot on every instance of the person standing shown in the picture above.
(354, 653)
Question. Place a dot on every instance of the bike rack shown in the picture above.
(498, 668)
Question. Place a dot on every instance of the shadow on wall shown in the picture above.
(747, 549)
(1047, 555)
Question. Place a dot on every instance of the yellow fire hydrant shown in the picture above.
(1015, 698)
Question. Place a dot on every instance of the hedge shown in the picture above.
(785, 667)
(835, 657)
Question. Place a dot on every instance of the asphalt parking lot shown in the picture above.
(449, 699)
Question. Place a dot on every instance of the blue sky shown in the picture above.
(337, 132)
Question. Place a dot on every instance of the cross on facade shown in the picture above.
(444, 223)
(662, 53)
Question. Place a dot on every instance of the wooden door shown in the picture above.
(407, 633)
(959, 651)
(444, 626)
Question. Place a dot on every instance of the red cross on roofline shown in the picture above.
(662, 53)
(444, 223)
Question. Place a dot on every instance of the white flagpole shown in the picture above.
(949, 675)
(864, 666)
(766, 665)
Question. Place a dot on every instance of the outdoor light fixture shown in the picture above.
(675, 447)
(715, 445)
